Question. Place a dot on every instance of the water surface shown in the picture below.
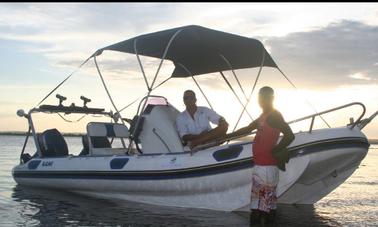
(354, 203)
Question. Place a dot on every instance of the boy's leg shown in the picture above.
(254, 217)
(271, 216)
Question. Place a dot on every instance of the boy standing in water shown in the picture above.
(267, 155)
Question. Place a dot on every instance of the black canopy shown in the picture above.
(199, 50)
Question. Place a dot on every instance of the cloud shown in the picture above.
(359, 76)
(329, 56)
(74, 31)
(66, 34)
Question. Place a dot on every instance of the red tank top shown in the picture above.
(266, 138)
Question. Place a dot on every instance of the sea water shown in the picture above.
(354, 203)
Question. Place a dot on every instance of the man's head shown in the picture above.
(266, 97)
(189, 98)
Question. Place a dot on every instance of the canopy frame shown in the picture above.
(131, 139)
(150, 87)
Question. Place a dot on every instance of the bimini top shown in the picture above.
(200, 50)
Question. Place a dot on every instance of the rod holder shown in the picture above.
(85, 100)
(61, 99)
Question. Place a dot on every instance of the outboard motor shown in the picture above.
(52, 143)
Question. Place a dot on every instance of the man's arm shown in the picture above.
(223, 125)
(189, 137)
(276, 120)
(216, 133)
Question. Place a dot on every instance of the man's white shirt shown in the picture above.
(201, 122)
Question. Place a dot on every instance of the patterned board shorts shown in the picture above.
(264, 185)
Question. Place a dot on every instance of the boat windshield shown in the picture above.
(153, 100)
(157, 101)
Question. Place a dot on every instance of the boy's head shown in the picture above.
(266, 97)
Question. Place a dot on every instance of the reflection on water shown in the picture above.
(70, 208)
(354, 203)
(46, 207)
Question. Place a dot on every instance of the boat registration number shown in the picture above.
(47, 163)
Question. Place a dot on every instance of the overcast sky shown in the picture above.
(325, 49)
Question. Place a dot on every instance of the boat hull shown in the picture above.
(218, 178)
(315, 184)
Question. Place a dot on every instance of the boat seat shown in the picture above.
(52, 143)
(102, 129)
(100, 142)
(138, 129)
(84, 141)
(98, 132)
(97, 142)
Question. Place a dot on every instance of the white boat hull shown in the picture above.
(321, 161)
(323, 175)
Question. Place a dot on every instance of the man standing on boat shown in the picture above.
(193, 124)
(267, 155)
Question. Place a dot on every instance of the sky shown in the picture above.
(328, 50)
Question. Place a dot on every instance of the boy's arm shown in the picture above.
(244, 130)
(276, 120)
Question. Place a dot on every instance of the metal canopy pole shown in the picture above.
(35, 136)
(164, 55)
(233, 72)
(157, 72)
(208, 102)
(163, 82)
(233, 91)
(253, 88)
(195, 81)
(110, 97)
(106, 89)
(26, 141)
(140, 63)
(63, 81)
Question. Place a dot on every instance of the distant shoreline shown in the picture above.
(72, 134)
(373, 141)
